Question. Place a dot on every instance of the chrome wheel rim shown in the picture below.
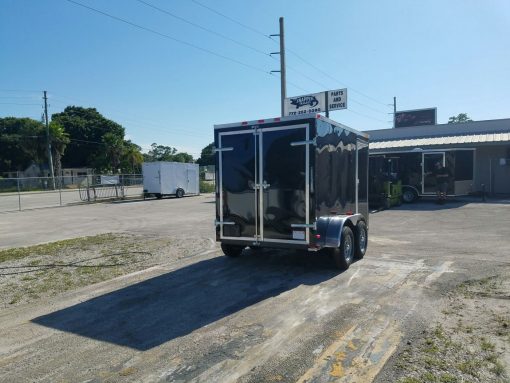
(362, 240)
(348, 248)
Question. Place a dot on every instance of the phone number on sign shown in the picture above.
(305, 111)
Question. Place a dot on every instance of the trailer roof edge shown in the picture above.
(289, 118)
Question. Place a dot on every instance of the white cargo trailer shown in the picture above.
(170, 178)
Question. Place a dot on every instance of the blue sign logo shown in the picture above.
(303, 101)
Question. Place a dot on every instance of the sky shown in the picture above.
(169, 75)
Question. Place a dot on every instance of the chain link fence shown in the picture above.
(36, 192)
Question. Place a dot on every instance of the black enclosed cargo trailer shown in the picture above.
(294, 182)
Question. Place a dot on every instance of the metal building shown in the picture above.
(478, 153)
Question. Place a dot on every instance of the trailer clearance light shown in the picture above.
(318, 236)
(348, 212)
(260, 121)
(244, 123)
(277, 119)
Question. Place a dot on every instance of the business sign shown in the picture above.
(416, 117)
(337, 99)
(316, 102)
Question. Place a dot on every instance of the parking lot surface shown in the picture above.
(272, 316)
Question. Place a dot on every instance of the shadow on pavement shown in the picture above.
(155, 311)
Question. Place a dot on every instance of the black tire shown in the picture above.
(255, 247)
(409, 195)
(232, 250)
(387, 203)
(179, 193)
(344, 255)
(158, 195)
(361, 240)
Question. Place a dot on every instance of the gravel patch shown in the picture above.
(30, 273)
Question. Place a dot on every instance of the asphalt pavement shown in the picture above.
(268, 316)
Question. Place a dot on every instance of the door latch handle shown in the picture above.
(265, 185)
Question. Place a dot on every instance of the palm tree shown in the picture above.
(59, 140)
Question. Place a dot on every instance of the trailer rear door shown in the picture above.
(237, 181)
(284, 184)
(264, 184)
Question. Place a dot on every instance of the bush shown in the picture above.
(206, 187)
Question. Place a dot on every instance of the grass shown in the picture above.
(55, 247)
(52, 268)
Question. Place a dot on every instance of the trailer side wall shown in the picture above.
(341, 156)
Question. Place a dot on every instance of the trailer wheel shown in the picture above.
(361, 240)
(179, 193)
(344, 255)
(232, 250)
(409, 195)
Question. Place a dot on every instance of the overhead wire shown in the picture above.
(164, 35)
(221, 35)
(231, 19)
(300, 58)
(139, 123)
(17, 103)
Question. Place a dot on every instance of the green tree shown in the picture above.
(21, 143)
(132, 158)
(166, 153)
(182, 157)
(160, 153)
(87, 127)
(207, 155)
(461, 117)
(111, 153)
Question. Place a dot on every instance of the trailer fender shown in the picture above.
(330, 228)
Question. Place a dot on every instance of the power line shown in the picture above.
(20, 90)
(326, 87)
(204, 28)
(295, 54)
(142, 123)
(16, 103)
(366, 116)
(146, 29)
(232, 20)
(334, 79)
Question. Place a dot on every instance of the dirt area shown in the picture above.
(468, 340)
(30, 273)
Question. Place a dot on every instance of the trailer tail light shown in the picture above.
(349, 212)
(277, 119)
(260, 121)
(318, 236)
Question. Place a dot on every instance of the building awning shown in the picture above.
(444, 140)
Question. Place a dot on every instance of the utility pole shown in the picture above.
(48, 142)
(282, 65)
(394, 112)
